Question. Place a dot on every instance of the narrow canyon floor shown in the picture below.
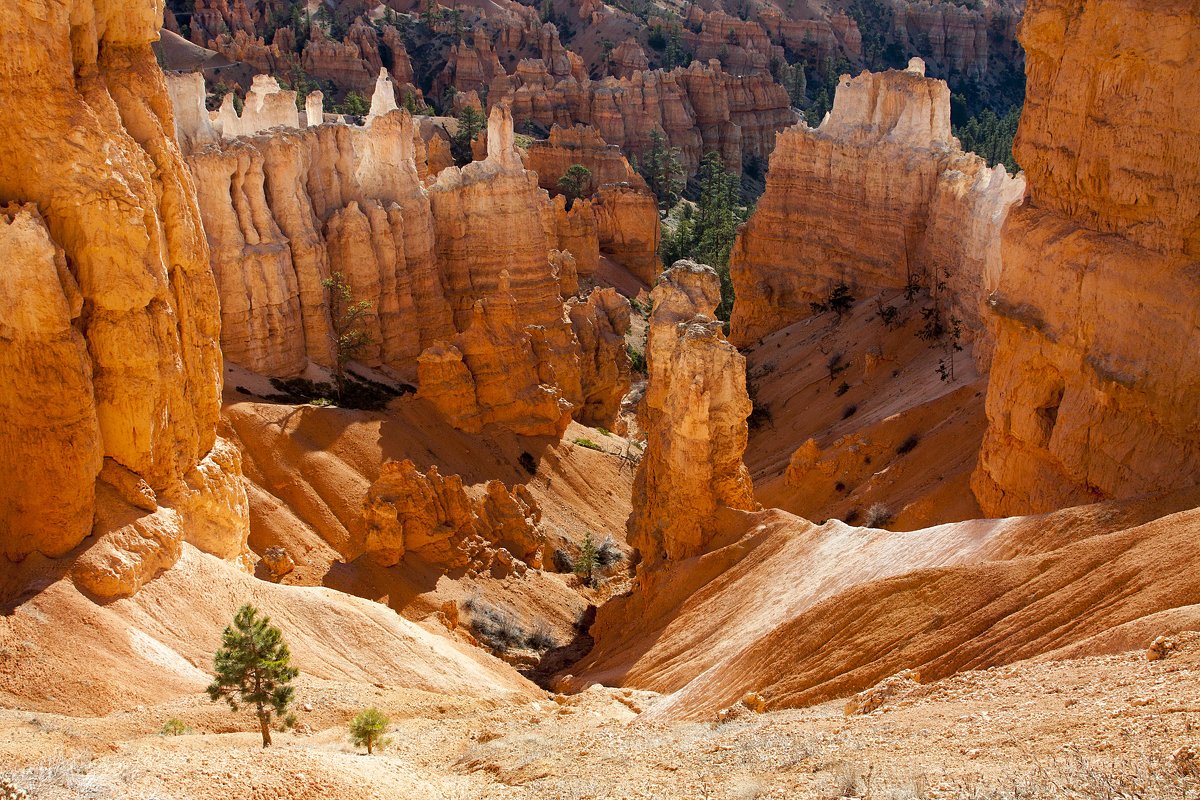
(1099, 726)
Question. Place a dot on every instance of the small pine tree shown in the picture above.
(355, 105)
(574, 182)
(253, 668)
(585, 565)
(367, 729)
(347, 317)
(470, 123)
(662, 167)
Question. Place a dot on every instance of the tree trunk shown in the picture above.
(368, 745)
(264, 723)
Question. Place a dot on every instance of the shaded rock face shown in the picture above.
(880, 193)
(109, 323)
(431, 516)
(698, 109)
(622, 215)
(600, 323)
(694, 414)
(1095, 385)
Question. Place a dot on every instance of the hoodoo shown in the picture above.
(878, 197)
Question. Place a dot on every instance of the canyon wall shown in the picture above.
(694, 414)
(109, 335)
(878, 195)
(1095, 385)
(699, 109)
(463, 274)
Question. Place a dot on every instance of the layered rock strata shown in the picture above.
(694, 414)
(698, 109)
(465, 276)
(877, 196)
(109, 330)
(1095, 385)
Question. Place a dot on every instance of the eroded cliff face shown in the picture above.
(698, 109)
(110, 335)
(1095, 385)
(694, 414)
(876, 196)
(466, 274)
(620, 214)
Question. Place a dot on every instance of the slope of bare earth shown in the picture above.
(803, 613)
(62, 652)
(309, 468)
(1098, 726)
(884, 427)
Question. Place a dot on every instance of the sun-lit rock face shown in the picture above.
(408, 513)
(465, 276)
(694, 415)
(284, 211)
(109, 336)
(1095, 385)
(878, 194)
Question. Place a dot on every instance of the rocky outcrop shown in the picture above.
(958, 39)
(495, 232)
(621, 218)
(283, 212)
(878, 195)
(600, 325)
(110, 323)
(465, 276)
(430, 516)
(698, 108)
(1095, 385)
(742, 46)
(694, 414)
(550, 158)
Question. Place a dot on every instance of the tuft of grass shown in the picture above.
(908, 445)
(583, 441)
(878, 515)
(495, 627)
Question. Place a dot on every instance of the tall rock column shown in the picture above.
(113, 367)
(1095, 384)
(694, 414)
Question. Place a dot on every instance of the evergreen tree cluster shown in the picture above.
(991, 136)
(706, 233)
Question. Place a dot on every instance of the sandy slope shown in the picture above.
(62, 652)
(883, 388)
(803, 613)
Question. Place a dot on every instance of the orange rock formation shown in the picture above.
(1095, 386)
(432, 517)
(698, 108)
(880, 192)
(622, 215)
(694, 415)
(111, 323)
